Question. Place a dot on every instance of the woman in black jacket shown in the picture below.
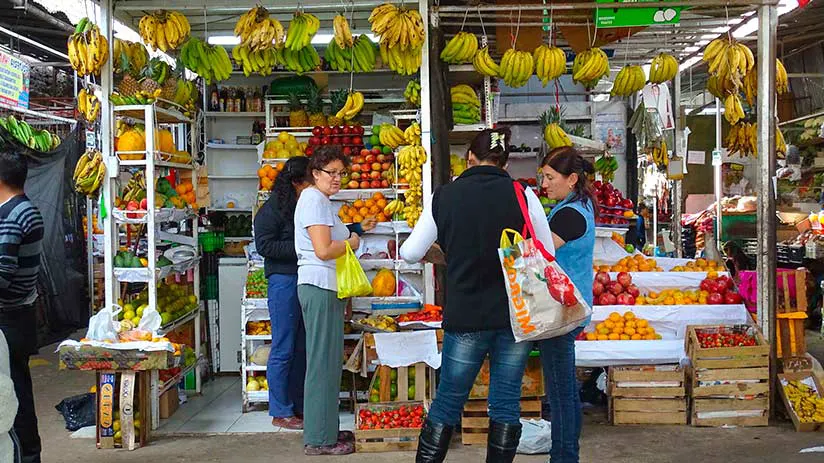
(275, 241)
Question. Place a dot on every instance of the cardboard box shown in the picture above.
(169, 402)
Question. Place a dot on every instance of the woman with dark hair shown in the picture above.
(467, 218)
(565, 179)
(275, 241)
(320, 238)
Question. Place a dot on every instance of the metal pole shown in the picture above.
(426, 142)
(677, 184)
(37, 44)
(110, 230)
(767, 25)
(716, 174)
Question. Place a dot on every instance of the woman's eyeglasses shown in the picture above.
(335, 173)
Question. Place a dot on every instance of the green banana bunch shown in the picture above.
(460, 49)
(303, 27)
(39, 140)
(89, 172)
(300, 61)
(339, 59)
(360, 57)
(606, 166)
(255, 62)
(185, 92)
(207, 61)
(365, 54)
(412, 93)
(466, 106)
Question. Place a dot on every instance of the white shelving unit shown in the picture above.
(153, 116)
(252, 310)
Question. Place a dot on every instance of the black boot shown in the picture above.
(433, 442)
(503, 442)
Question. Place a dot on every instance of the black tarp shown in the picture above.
(49, 187)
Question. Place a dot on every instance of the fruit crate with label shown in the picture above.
(647, 394)
(161, 177)
(728, 376)
(390, 426)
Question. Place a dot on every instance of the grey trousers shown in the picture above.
(323, 318)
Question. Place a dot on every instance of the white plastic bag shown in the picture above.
(103, 325)
(536, 437)
(150, 321)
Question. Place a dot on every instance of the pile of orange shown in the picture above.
(363, 208)
(267, 175)
(187, 191)
(674, 297)
(625, 327)
(700, 265)
(636, 263)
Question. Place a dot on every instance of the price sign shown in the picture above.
(14, 81)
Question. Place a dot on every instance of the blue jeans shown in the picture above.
(463, 355)
(287, 358)
(558, 362)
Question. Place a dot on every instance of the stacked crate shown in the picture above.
(728, 385)
(647, 394)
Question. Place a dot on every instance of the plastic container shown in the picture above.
(208, 289)
(211, 241)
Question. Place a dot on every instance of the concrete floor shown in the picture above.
(600, 442)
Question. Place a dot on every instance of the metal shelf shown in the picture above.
(174, 380)
(231, 146)
(236, 239)
(158, 163)
(233, 177)
(239, 210)
(221, 114)
(163, 330)
(162, 115)
(351, 195)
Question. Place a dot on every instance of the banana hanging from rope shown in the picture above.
(516, 67)
(88, 50)
(88, 105)
(550, 63)
(460, 49)
(484, 64)
(664, 67)
(343, 34)
(398, 27)
(729, 60)
(630, 80)
(89, 172)
(258, 31)
(589, 67)
(352, 107)
(164, 30)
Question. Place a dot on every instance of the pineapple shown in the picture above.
(338, 100)
(154, 76)
(167, 92)
(315, 106)
(297, 115)
(128, 86)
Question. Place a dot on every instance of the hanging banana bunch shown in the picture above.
(516, 67)
(88, 105)
(164, 30)
(343, 34)
(733, 111)
(460, 49)
(664, 67)
(782, 84)
(550, 63)
(129, 57)
(303, 27)
(589, 67)
(259, 32)
(630, 80)
(88, 49)
(89, 172)
(484, 64)
(729, 60)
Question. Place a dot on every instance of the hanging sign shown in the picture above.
(14, 81)
(633, 17)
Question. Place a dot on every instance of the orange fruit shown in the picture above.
(629, 315)
(649, 337)
(272, 174)
(603, 337)
(357, 218)
(669, 301)
(618, 330)
(382, 217)
(609, 324)
(615, 316)
(592, 336)
(641, 323)
(642, 331)
(636, 337)
(378, 195)
(364, 211)
(624, 337)
(614, 336)
(280, 166)
(369, 203)
(358, 204)
(629, 330)
(381, 203)
(600, 326)
(261, 172)
(374, 210)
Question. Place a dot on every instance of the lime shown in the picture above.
(116, 426)
(140, 310)
(393, 390)
(193, 299)
(412, 374)
(374, 398)
(393, 374)
(136, 320)
(387, 150)
(376, 130)
(410, 392)
(165, 318)
(129, 314)
(375, 140)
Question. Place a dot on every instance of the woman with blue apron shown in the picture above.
(572, 221)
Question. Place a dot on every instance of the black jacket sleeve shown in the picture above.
(568, 224)
(269, 233)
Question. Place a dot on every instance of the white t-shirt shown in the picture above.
(314, 208)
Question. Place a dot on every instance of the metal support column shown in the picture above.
(677, 194)
(111, 289)
(426, 142)
(767, 25)
(716, 174)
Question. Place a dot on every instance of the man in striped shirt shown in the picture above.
(21, 232)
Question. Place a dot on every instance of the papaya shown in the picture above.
(383, 284)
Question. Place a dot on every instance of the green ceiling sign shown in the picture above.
(632, 17)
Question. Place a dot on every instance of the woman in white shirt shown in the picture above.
(320, 238)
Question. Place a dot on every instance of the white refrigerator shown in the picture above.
(231, 278)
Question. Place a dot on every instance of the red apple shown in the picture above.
(384, 183)
(706, 285)
(621, 299)
(357, 141)
(375, 175)
(365, 167)
(346, 140)
(327, 131)
(630, 300)
(633, 290)
(626, 204)
(314, 141)
(144, 204)
(353, 185)
(309, 151)
(715, 299)
(386, 166)
(732, 298)
(597, 184)
(364, 152)
(381, 158)
(336, 140)
(356, 175)
(603, 277)
(616, 288)
(347, 130)
(358, 160)
(356, 167)
(364, 185)
(358, 130)
(624, 278)
(325, 140)
(347, 151)
(376, 151)
(375, 184)
(597, 288)
(317, 130)
(336, 130)
(370, 158)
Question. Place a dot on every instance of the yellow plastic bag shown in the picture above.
(352, 281)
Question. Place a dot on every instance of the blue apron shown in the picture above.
(576, 256)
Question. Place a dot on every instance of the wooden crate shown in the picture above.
(532, 383)
(475, 418)
(798, 376)
(791, 344)
(125, 395)
(647, 394)
(421, 370)
(386, 440)
(370, 354)
(728, 385)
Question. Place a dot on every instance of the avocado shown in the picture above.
(118, 260)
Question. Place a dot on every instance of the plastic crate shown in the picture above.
(738, 226)
(208, 289)
(790, 255)
(211, 241)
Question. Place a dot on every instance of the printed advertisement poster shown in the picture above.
(14, 81)
(611, 130)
